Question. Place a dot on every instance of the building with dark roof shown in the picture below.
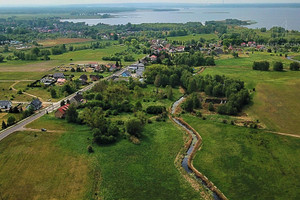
(36, 104)
(77, 99)
(6, 105)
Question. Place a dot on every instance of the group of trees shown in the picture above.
(294, 66)
(277, 66)
(161, 75)
(216, 86)
(193, 59)
(191, 103)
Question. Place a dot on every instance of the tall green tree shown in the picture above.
(157, 81)
(72, 114)
(4, 126)
(11, 120)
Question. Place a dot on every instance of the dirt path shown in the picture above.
(38, 130)
(285, 134)
(31, 95)
(201, 70)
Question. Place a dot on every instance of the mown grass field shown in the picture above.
(247, 163)
(275, 102)
(195, 37)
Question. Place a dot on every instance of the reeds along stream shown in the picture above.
(187, 157)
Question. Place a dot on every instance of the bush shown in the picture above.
(295, 66)
(198, 114)
(134, 127)
(155, 109)
(211, 107)
(90, 149)
(263, 66)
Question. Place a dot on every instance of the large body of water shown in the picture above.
(265, 17)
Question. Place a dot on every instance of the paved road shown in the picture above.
(49, 109)
(290, 58)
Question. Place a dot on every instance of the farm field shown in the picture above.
(275, 102)
(58, 41)
(144, 171)
(248, 163)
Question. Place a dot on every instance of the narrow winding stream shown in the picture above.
(184, 163)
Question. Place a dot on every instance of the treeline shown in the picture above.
(277, 66)
(193, 59)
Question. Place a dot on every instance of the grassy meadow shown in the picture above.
(43, 67)
(195, 37)
(275, 102)
(248, 163)
(57, 165)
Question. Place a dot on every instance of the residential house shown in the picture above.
(48, 80)
(61, 112)
(58, 75)
(83, 78)
(5, 105)
(36, 104)
(95, 77)
(153, 58)
(126, 74)
(77, 99)
(219, 50)
(111, 67)
(133, 67)
(93, 64)
(180, 49)
(61, 81)
(140, 65)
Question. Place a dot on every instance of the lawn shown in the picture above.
(248, 163)
(119, 171)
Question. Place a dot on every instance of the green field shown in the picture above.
(275, 102)
(246, 163)
(194, 37)
(57, 165)
(43, 67)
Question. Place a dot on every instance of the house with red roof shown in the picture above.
(61, 112)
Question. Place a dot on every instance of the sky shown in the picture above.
(57, 2)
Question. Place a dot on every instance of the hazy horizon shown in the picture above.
(79, 2)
